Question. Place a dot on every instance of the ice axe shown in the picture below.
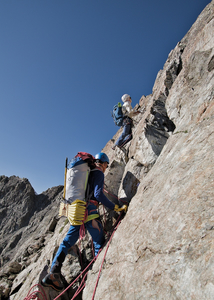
(66, 166)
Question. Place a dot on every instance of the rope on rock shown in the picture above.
(104, 259)
(82, 284)
(76, 279)
(34, 295)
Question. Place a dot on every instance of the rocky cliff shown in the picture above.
(163, 247)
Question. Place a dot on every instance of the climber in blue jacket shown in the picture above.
(93, 225)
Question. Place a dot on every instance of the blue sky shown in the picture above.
(65, 63)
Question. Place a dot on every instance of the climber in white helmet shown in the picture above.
(128, 113)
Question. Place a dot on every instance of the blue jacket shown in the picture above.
(96, 182)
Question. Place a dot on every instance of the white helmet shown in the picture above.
(125, 97)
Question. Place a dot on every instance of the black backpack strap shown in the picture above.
(87, 194)
(127, 120)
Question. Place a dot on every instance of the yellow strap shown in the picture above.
(86, 181)
(91, 217)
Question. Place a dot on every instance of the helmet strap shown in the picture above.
(99, 166)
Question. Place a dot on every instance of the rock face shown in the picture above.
(163, 247)
(27, 220)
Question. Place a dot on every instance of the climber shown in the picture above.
(128, 112)
(94, 226)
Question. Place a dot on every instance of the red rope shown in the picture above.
(82, 284)
(81, 236)
(82, 227)
(77, 277)
(31, 295)
(98, 277)
(111, 194)
(80, 288)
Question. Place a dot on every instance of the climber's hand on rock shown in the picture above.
(124, 207)
(118, 209)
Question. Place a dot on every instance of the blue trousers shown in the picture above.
(125, 136)
(71, 238)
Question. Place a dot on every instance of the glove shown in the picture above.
(118, 209)
(124, 207)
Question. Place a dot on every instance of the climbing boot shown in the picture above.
(53, 280)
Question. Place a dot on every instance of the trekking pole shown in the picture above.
(66, 165)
